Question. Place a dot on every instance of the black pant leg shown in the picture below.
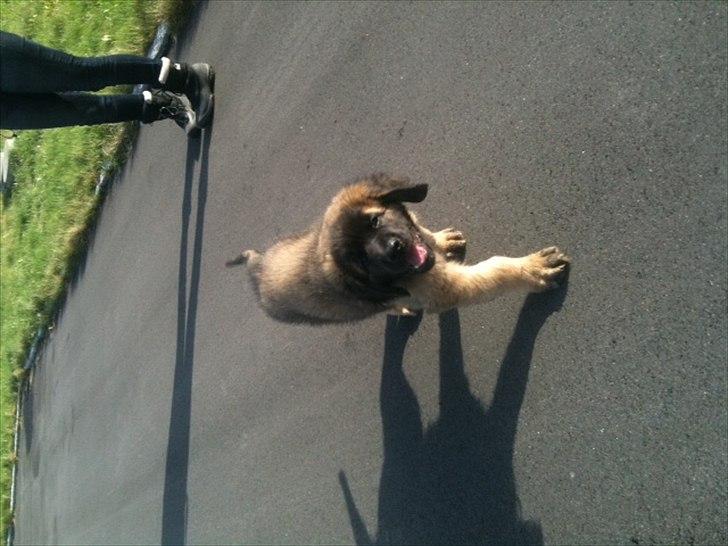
(41, 111)
(28, 67)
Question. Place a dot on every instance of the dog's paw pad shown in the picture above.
(547, 268)
(452, 243)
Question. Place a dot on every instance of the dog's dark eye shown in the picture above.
(375, 221)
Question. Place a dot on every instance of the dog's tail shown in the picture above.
(250, 257)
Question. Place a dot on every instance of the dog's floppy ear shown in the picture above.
(398, 190)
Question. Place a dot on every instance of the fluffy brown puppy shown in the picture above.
(368, 254)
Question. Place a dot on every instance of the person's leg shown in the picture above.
(42, 111)
(28, 67)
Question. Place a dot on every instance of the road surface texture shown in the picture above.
(168, 408)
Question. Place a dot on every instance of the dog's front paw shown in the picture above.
(546, 269)
(452, 243)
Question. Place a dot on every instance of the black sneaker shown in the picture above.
(197, 83)
(159, 104)
(200, 89)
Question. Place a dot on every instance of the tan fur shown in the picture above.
(299, 279)
(450, 284)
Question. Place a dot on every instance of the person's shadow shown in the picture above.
(174, 500)
(452, 483)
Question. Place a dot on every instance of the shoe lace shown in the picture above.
(176, 113)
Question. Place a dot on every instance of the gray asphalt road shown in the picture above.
(167, 408)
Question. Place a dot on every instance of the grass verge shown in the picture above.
(43, 221)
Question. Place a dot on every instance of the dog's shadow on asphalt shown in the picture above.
(453, 482)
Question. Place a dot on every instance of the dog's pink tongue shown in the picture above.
(417, 255)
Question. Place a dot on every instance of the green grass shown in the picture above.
(42, 225)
